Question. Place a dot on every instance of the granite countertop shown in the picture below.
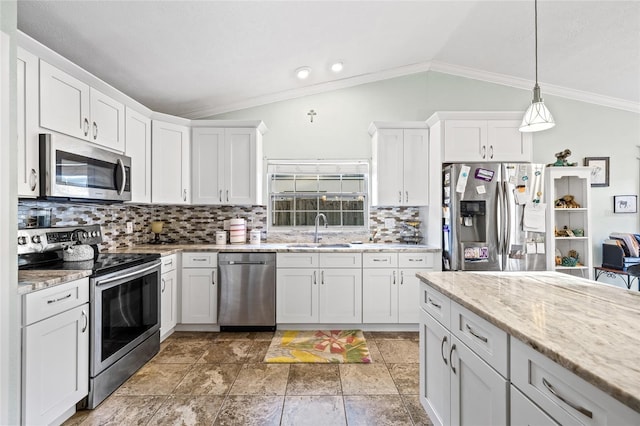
(30, 280)
(168, 249)
(589, 328)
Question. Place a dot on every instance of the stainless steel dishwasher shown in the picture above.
(247, 291)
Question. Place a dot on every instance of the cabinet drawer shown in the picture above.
(340, 260)
(415, 260)
(484, 338)
(435, 303)
(199, 260)
(380, 260)
(169, 263)
(524, 412)
(563, 395)
(297, 260)
(51, 301)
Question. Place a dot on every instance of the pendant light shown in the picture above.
(537, 117)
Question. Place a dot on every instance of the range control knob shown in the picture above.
(85, 234)
(94, 234)
(36, 239)
(22, 240)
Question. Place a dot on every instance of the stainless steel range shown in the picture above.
(124, 300)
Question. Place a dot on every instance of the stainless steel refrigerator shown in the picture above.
(494, 217)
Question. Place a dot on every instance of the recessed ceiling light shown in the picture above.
(303, 72)
(337, 67)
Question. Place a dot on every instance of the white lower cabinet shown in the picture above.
(526, 413)
(458, 385)
(199, 288)
(168, 295)
(390, 287)
(318, 288)
(55, 356)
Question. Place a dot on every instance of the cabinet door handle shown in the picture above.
(213, 277)
(85, 126)
(163, 285)
(476, 335)
(227, 195)
(58, 299)
(436, 305)
(322, 277)
(394, 277)
(86, 321)
(453, 368)
(220, 196)
(95, 131)
(406, 193)
(401, 277)
(484, 151)
(33, 179)
(491, 151)
(399, 196)
(573, 405)
(184, 195)
(315, 278)
(444, 358)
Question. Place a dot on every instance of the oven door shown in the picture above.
(72, 168)
(125, 310)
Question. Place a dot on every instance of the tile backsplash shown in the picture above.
(197, 224)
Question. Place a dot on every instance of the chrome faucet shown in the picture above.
(316, 239)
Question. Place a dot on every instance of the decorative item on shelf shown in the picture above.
(599, 170)
(578, 232)
(625, 203)
(561, 159)
(567, 202)
(571, 259)
(156, 228)
(558, 257)
(537, 117)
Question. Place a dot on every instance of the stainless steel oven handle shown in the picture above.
(124, 176)
(131, 274)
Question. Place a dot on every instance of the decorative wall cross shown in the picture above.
(311, 113)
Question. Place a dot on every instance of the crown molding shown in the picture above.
(522, 83)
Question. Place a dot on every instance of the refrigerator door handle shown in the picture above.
(498, 217)
(507, 222)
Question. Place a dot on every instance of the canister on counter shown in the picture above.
(221, 238)
(237, 231)
(254, 236)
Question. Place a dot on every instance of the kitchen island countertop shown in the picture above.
(591, 329)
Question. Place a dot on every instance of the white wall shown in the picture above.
(9, 321)
(340, 129)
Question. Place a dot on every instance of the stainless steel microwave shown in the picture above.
(76, 170)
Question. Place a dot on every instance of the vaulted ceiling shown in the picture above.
(199, 58)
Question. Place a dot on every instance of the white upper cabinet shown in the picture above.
(170, 171)
(481, 136)
(107, 121)
(227, 165)
(400, 166)
(27, 123)
(69, 106)
(138, 144)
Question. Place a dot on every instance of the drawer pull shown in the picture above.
(415, 259)
(169, 263)
(59, 299)
(444, 359)
(576, 407)
(201, 259)
(434, 303)
(379, 260)
(476, 335)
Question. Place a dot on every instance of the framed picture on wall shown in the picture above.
(625, 203)
(599, 170)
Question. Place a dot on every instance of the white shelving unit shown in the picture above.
(575, 181)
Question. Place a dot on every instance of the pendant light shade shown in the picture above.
(537, 117)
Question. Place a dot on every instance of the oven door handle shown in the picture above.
(125, 276)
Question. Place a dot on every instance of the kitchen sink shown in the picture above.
(316, 245)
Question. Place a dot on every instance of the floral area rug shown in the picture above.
(324, 346)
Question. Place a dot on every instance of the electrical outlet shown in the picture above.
(129, 227)
(389, 223)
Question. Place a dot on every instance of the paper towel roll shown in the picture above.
(237, 231)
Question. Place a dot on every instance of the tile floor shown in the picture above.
(220, 379)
